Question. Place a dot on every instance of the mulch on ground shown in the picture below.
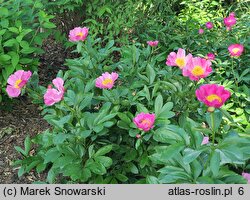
(24, 118)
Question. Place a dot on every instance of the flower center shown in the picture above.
(180, 62)
(17, 83)
(146, 122)
(80, 34)
(107, 81)
(213, 97)
(197, 71)
(235, 50)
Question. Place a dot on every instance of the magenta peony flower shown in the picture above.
(230, 21)
(205, 140)
(53, 95)
(106, 80)
(197, 68)
(144, 121)
(209, 25)
(16, 82)
(153, 43)
(235, 50)
(210, 56)
(246, 176)
(78, 34)
(180, 59)
(201, 31)
(212, 95)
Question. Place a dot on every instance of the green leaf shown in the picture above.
(14, 30)
(27, 145)
(124, 118)
(97, 168)
(105, 161)
(4, 12)
(152, 180)
(215, 163)
(4, 57)
(217, 119)
(20, 150)
(158, 104)
(59, 138)
(196, 168)
(21, 171)
(104, 150)
(51, 155)
(171, 150)
(10, 43)
(150, 73)
(165, 135)
(121, 177)
(107, 117)
(41, 167)
(51, 176)
(191, 155)
(14, 59)
(49, 25)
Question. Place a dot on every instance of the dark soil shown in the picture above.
(23, 118)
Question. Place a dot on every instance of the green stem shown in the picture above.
(213, 127)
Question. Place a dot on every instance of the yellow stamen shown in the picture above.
(17, 83)
(213, 97)
(235, 50)
(79, 34)
(197, 71)
(146, 122)
(107, 81)
(180, 62)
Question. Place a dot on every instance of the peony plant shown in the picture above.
(134, 123)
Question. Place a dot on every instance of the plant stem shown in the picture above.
(213, 127)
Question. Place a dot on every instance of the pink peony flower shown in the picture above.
(235, 50)
(180, 59)
(246, 176)
(210, 56)
(197, 68)
(106, 80)
(209, 25)
(201, 31)
(205, 140)
(78, 34)
(212, 95)
(53, 95)
(144, 121)
(230, 21)
(16, 82)
(153, 43)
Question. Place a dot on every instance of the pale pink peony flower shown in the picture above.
(201, 31)
(197, 68)
(246, 176)
(235, 50)
(212, 95)
(78, 34)
(205, 140)
(230, 21)
(210, 56)
(144, 121)
(153, 43)
(209, 25)
(16, 82)
(106, 80)
(53, 95)
(180, 59)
